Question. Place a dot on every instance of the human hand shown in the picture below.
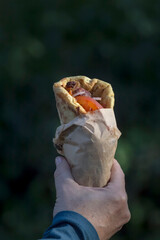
(105, 208)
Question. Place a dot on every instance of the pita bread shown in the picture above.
(67, 106)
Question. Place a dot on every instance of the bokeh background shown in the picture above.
(43, 41)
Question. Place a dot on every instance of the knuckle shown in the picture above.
(120, 199)
(123, 198)
(127, 216)
(124, 217)
(121, 207)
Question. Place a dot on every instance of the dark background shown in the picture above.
(42, 41)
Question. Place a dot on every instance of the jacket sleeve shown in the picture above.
(68, 225)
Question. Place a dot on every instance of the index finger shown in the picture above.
(117, 179)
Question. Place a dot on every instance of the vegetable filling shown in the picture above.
(83, 96)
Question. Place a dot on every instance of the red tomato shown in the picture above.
(88, 103)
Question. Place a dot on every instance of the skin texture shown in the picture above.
(106, 208)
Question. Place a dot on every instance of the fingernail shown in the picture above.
(58, 160)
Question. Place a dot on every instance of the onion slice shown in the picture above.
(97, 98)
(79, 93)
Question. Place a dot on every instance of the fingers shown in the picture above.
(62, 172)
(116, 186)
(117, 176)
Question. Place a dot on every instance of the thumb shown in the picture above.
(62, 172)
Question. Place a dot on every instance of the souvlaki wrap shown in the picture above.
(88, 133)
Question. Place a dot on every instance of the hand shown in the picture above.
(105, 208)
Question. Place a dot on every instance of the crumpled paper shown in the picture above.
(89, 142)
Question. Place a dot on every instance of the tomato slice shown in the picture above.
(69, 90)
(88, 103)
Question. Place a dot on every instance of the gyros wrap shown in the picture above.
(88, 133)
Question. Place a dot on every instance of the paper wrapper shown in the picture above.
(89, 143)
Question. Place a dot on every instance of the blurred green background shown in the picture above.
(44, 41)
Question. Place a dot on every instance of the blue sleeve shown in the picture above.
(68, 225)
